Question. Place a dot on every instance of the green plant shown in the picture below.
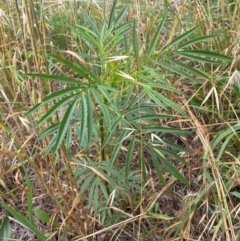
(26, 222)
(5, 230)
(117, 106)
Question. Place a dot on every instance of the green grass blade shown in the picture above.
(24, 221)
(43, 216)
(5, 230)
(223, 135)
(223, 146)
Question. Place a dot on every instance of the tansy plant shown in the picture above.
(117, 106)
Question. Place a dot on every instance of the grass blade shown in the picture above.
(5, 230)
(24, 221)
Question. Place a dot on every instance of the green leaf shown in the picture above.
(175, 70)
(63, 79)
(224, 134)
(170, 168)
(5, 230)
(84, 117)
(103, 189)
(85, 186)
(223, 146)
(167, 130)
(112, 14)
(189, 68)
(111, 132)
(36, 107)
(236, 194)
(24, 221)
(51, 145)
(103, 107)
(129, 157)
(89, 36)
(65, 124)
(117, 147)
(151, 117)
(173, 154)
(157, 167)
(157, 34)
(196, 40)
(89, 118)
(206, 54)
(121, 14)
(59, 94)
(142, 164)
(44, 217)
(79, 68)
(180, 38)
(164, 87)
(49, 131)
(91, 23)
(135, 42)
(54, 109)
(165, 102)
(196, 58)
(104, 90)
